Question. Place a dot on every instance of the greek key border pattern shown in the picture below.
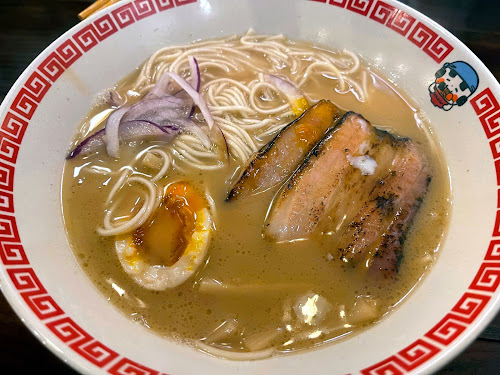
(14, 125)
(423, 36)
(12, 129)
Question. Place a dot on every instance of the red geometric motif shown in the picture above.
(493, 252)
(59, 60)
(124, 16)
(37, 85)
(6, 176)
(402, 22)
(487, 108)
(24, 104)
(392, 17)
(165, 4)
(68, 52)
(129, 13)
(469, 306)
(487, 278)
(422, 35)
(67, 330)
(405, 360)
(436, 47)
(97, 353)
(42, 304)
(144, 8)
(484, 102)
(24, 279)
(96, 32)
(14, 126)
(495, 148)
(86, 38)
(6, 202)
(382, 12)
(389, 366)
(496, 228)
(105, 27)
(12, 132)
(491, 123)
(417, 353)
(12, 253)
(33, 293)
(127, 367)
(497, 169)
(8, 229)
(8, 149)
(447, 330)
(360, 6)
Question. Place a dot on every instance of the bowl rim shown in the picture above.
(484, 104)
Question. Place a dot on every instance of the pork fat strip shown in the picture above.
(277, 160)
(311, 191)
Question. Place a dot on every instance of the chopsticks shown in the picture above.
(97, 6)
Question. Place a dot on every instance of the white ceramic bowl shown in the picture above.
(44, 284)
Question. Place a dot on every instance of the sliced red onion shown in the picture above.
(164, 116)
(128, 131)
(142, 129)
(285, 86)
(166, 106)
(195, 78)
(112, 126)
(197, 98)
(190, 126)
(195, 73)
(89, 145)
(157, 114)
(164, 86)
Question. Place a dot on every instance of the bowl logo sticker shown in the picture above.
(454, 83)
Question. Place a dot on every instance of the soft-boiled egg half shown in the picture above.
(167, 250)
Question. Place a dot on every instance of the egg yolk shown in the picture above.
(299, 106)
(165, 238)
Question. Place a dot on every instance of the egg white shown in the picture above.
(159, 277)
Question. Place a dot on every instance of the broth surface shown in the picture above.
(262, 280)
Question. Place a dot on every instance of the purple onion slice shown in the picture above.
(112, 126)
(166, 106)
(195, 78)
(128, 131)
(195, 73)
(159, 113)
(197, 98)
(89, 145)
(285, 86)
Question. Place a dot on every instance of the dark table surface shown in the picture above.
(27, 27)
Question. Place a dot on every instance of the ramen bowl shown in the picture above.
(43, 282)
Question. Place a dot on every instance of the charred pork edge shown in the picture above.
(314, 151)
(265, 149)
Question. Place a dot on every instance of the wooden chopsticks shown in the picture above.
(97, 6)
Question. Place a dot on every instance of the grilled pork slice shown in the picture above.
(277, 160)
(351, 195)
(375, 235)
(312, 190)
(366, 215)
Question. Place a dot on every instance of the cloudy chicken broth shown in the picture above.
(155, 231)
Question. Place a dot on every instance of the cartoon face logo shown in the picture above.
(454, 83)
